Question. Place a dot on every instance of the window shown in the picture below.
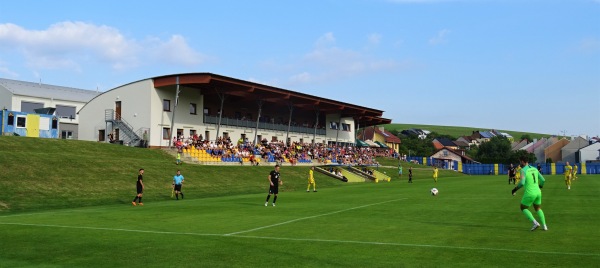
(206, 111)
(54, 123)
(192, 132)
(21, 121)
(346, 127)
(179, 132)
(29, 107)
(167, 105)
(445, 153)
(166, 133)
(207, 135)
(192, 108)
(11, 119)
(65, 134)
(65, 111)
(333, 125)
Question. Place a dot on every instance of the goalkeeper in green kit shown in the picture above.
(532, 180)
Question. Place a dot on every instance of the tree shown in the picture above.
(497, 150)
(417, 147)
(526, 137)
(515, 156)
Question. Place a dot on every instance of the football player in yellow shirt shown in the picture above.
(435, 174)
(574, 175)
(568, 173)
(517, 175)
(311, 180)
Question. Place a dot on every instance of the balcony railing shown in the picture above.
(261, 125)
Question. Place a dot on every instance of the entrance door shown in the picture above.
(117, 110)
(117, 134)
(101, 135)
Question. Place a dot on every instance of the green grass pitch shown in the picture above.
(473, 222)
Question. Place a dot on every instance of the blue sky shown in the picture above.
(524, 65)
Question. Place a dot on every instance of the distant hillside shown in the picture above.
(459, 131)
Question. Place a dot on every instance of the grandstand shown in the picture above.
(214, 107)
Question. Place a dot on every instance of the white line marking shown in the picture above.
(311, 217)
(309, 239)
(419, 245)
(105, 229)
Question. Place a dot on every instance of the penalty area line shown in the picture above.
(312, 217)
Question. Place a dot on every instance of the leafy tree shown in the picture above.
(526, 137)
(515, 156)
(417, 147)
(497, 150)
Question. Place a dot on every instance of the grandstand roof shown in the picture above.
(213, 84)
(40, 90)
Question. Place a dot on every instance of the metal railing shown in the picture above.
(130, 136)
(261, 125)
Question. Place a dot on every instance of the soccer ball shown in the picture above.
(434, 191)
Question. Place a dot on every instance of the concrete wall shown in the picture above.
(135, 109)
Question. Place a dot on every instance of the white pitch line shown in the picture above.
(418, 245)
(311, 217)
(310, 240)
(105, 229)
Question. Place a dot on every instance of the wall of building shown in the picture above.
(135, 110)
(344, 136)
(445, 154)
(184, 120)
(5, 99)
(590, 153)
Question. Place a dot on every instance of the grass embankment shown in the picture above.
(42, 174)
(460, 131)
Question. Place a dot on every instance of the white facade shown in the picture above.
(570, 150)
(142, 107)
(590, 153)
(68, 101)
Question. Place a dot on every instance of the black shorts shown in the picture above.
(178, 187)
(274, 189)
(140, 190)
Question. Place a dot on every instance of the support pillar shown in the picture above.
(174, 109)
(260, 103)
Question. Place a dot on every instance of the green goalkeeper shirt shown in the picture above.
(531, 180)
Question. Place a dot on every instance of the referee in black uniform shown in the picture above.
(274, 182)
(140, 188)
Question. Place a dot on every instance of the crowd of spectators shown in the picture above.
(317, 153)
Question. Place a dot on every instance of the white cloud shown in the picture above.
(176, 51)
(440, 38)
(374, 39)
(327, 61)
(301, 78)
(71, 45)
(325, 40)
(5, 71)
(589, 44)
